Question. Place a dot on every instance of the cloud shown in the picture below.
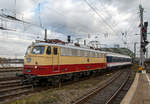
(72, 17)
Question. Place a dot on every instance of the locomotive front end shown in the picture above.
(37, 60)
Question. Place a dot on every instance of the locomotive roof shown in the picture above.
(83, 48)
(69, 46)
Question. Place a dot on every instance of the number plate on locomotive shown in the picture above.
(28, 71)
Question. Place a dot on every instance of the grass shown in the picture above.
(45, 97)
(134, 67)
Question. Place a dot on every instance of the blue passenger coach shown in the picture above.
(115, 60)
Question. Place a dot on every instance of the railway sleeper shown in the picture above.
(14, 94)
(9, 85)
(14, 88)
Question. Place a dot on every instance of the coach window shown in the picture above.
(55, 51)
(48, 51)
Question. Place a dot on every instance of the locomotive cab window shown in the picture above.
(28, 50)
(38, 50)
(55, 51)
(48, 51)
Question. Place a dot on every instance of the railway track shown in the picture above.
(7, 78)
(110, 92)
(12, 91)
(9, 74)
(11, 70)
(120, 93)
(11, 88)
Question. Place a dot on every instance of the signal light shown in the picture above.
(144, 35)
(144, 50)
(144, 31)
(69, 39)
(145, 24)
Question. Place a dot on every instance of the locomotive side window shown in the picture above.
(38, 50)
(102, 55)
(85, 53)
(95, 54)
(99, 55)
(91, 54)
(55, 51)
(81, 53)
(69, 53)
(48, 50)
(74, 52)
(63, 51)
(78, 52)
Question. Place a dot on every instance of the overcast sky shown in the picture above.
(70, 17)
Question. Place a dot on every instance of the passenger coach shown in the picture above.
(117, 60)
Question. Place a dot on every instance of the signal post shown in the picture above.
(143, 39)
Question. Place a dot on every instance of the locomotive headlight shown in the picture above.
(28, 60)
(35, 67)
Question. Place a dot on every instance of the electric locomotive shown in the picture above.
(49, 62)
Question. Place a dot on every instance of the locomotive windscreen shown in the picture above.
(38, 49)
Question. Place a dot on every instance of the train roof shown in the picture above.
(117, 55)
(82, 48)
(69, 46)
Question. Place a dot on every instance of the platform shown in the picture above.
(139, 92)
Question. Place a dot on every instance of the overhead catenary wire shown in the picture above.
(62, 14)
(107, 12)
(131, 25)
(39, 6)
(13, 18)
(93, 8)
(103, 8)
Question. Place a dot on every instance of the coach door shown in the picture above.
(55, 59)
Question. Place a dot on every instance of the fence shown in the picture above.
(11, 63)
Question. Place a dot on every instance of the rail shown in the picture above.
(112, 98)
(94, 91)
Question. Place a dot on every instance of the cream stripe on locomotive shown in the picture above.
(61, 55)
